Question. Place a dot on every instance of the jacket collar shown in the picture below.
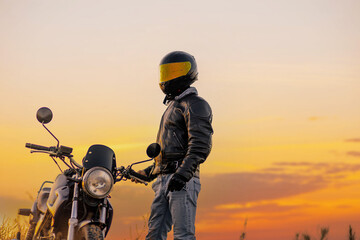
(188, 91)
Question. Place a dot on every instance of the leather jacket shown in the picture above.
(184, 135)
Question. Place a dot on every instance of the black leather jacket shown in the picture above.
(184, 136)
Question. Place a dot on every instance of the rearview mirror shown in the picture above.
(153, 150)
(44, 115)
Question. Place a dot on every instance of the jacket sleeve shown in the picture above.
(148, 171)
(198, 118)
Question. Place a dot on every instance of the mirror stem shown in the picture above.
(58, 143)
(141, 162)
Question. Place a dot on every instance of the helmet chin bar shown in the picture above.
(176, 86)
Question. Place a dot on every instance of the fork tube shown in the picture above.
(103, 211)
(73, 221)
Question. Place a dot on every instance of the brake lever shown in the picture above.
(39, 151)
(139, 180)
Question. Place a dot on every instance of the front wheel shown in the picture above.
(91, 232)
(30, 232)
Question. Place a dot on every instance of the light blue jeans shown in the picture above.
(176, 208)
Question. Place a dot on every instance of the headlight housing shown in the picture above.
(97, 182)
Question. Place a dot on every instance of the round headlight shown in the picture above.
(97, 182)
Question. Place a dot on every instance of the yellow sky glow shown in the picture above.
(282, 79)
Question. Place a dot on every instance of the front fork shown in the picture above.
(73, 221)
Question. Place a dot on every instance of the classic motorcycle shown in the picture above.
(76, 205)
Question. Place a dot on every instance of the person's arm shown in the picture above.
(198, 118)
(148, 170)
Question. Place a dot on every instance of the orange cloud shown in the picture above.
(253, 186)
(353, 140)
(353, 153)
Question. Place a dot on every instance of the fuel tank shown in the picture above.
(59, 194)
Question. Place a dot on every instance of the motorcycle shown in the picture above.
(76, 205)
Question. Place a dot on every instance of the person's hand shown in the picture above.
(142, 172)
(176, 183)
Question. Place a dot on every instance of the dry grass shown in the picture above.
(324, 232)
(351, 233)
(243, 232)
(9, 228)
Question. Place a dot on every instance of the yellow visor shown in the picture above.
(171, 71)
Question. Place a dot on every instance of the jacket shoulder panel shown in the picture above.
(197, 106)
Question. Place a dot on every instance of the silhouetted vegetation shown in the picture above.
(243, 232)
(324, 232)
(304, 236)
(9, 228)
(351, 233)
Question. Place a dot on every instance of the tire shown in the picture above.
(60, 236)
(30, 232)
(91, 232)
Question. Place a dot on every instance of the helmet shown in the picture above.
(178, 71)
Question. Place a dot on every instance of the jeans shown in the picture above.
(176, 208)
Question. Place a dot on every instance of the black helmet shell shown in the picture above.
(178, 70)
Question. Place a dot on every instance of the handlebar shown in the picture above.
(54, 151)
(75, 163)
(37, 147)
(62, 150)
(128, 173)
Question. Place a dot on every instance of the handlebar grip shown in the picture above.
(132, 173)
(37, 147)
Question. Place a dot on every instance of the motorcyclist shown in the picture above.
(184, 135)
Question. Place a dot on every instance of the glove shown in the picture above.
(176, 183)
(142, 172)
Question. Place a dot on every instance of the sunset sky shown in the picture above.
(282, 78)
